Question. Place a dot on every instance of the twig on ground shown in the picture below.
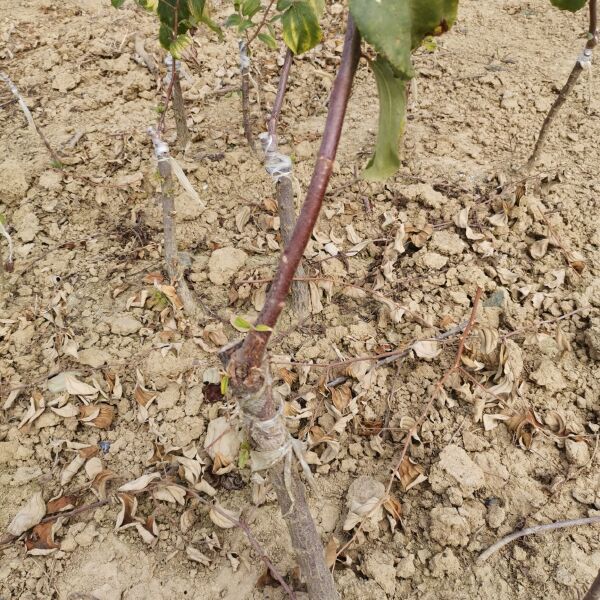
(251, 538)
(13, 88)
(536, 529)
(439, 386)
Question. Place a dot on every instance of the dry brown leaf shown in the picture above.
(61, 504)
(71, 469)
(78, 388)
(538, 249)
(67, 411)
(524, 426)
(171, 293)
(341, 396)
(492, 421)
(410, 474)
(556, 423)
(331, 551)
(153, 278)
(148, 530)
(40, 542)
(100, 483)
(219, 516)
(139, 484)
(197, 556)
(99, 415)
(93, 467)
(488, 339)
(288, 376)
(36, 408)
(426, 349)
(187, 520)
(126, 517)
(143, 396)
(29, 515)
(394, 508)
(170, 493)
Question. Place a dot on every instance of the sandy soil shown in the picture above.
(87, 236)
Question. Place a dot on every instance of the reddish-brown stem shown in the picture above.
(281, 89)
(261, 24)
(252, 351)
(568, 87)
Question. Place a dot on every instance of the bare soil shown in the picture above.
(86, 235)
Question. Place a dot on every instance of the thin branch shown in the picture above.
(251, 538)
(15, 92)
(261, 24)
(415, 428)
(536, 529)
(252, 351)
(584, 61)
(279, 166)
(245, 85)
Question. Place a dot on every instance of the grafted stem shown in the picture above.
(245, 364)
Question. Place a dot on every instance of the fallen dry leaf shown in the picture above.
(219, 516)
(98, 415)
(410, 474)
(126, 517)
(75, 387)
(40, 542)
(101, 481)
(30, 514)
(171, 293)
(524, 426)
(197, 556)
(61, 504)
(139, 484)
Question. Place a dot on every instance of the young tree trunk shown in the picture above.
(564, 93)
(245, 86)
(285, 196)
(183, 133)
(170, 246)
(248, 370)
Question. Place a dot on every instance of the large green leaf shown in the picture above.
(571, 5)
(300, 21)
(396, 27)
(392, 120)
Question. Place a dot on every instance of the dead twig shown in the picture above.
(439, 387)
(15, 92)
(251, 538)
(533, 530)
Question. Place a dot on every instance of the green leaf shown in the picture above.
(301, 30)
(396, 27)
(224, 384)
(245, 24)
(570, 5)
(392, 119)
(250, 7)
(196, 9)
(117, 3)
(241, 324)
(263, 328)
(244, 456)
(233, 20)
(269, 40)
(179, 44)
